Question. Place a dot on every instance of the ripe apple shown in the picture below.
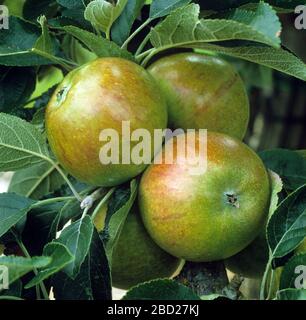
(211, 215)
(203, 92)
(101, 95)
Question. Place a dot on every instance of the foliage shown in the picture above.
(62, 35)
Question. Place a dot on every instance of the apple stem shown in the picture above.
(89, 200)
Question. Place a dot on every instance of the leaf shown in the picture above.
(102, 14)
(35, 8)
(73, 12)
(214, 296)
(17, 42)
(77, 51)
(71, 4)
(16, 87)
(263, 19)
(39, 228)
(100, 46)
(183, 28)
(93, 281)
(77, 238)
(21, 144)
(291, 294)
(19, 266)
(36, 181)
(223, 5)
(287, 226)
(44, 42)
(60, 257)
(276, 188)
(122, 26)
(278, 59)
(70, 210)
(13, 208)
(116, 216)
(161, 8)
(290, 165)
(291, 276)
(161, 290)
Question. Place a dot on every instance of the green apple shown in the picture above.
(97, 98)
(203, 92)
(136, 257)
(210, 215)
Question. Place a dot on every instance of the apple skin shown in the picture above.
(251, 261)
(209, 216)
(203, 92)
(100, 95)
(136, 258)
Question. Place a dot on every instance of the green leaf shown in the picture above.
(32, 9)
(278, 59)
(287, 226)
(93, 281)
(44, 42)
(12, 209)
(161, 8)
(36, 181)
(17, 42)
(183, 28)
(290, 165)
(263, 19)
(73, 13)
(10, 298)
(223, 5)
(16, 87)
(122, 26)
(102, 14)
(70, 210)
(291, 294)
(77, 51)
(71, 4)
(119, 206)
(21, 144)
(77, 238)
(19, 266)
(213, 296)
(161, 290)
(291, 276)
(100, 46)
(60, 257)
(276, 188)
(39, 227)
